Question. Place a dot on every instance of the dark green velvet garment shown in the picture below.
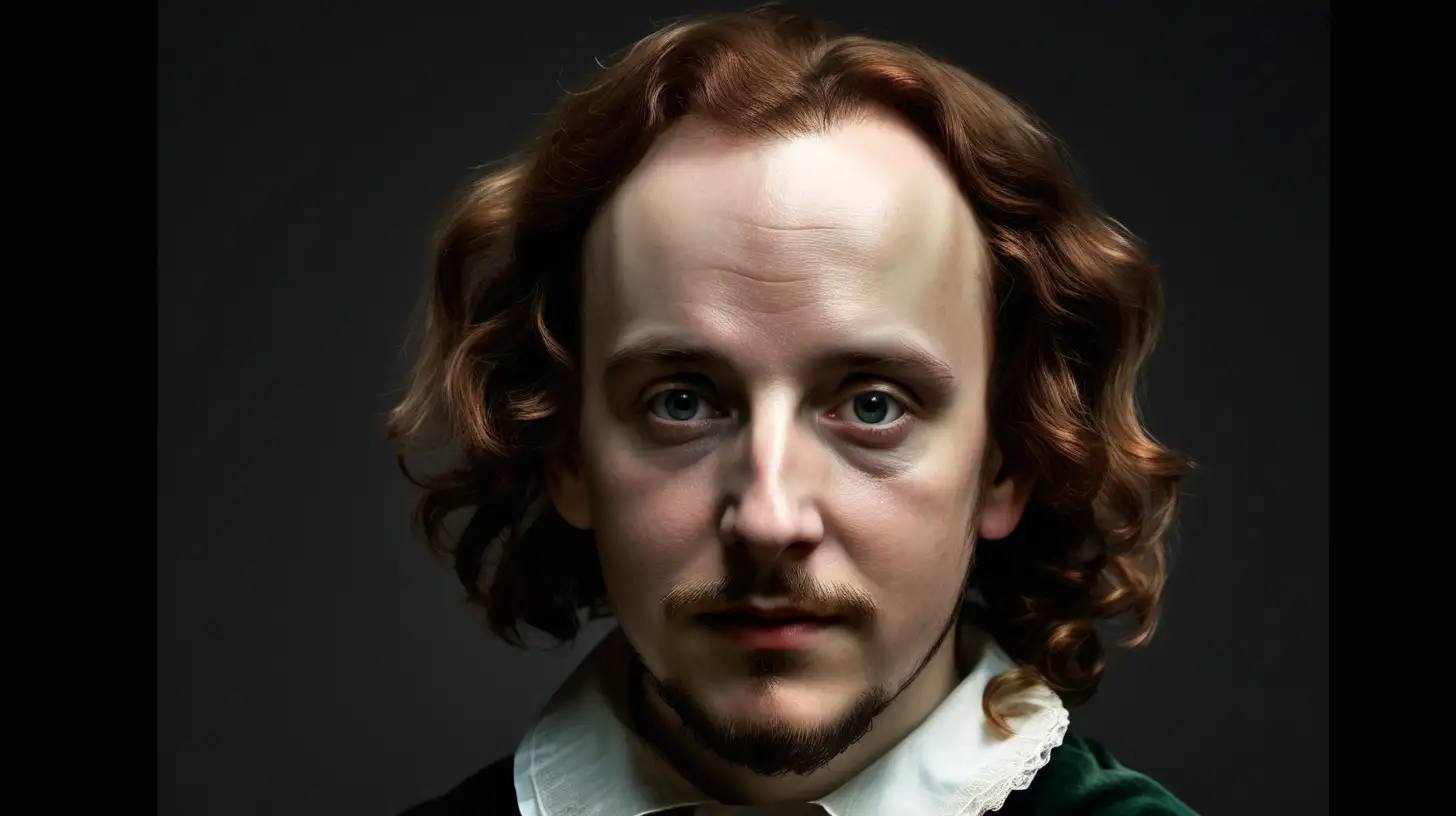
(1081, 779)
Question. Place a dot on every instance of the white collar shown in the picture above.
(582, 759)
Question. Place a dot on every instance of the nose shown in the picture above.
(773, 502)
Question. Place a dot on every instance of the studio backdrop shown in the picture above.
(315, 659)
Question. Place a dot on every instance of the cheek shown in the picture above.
(909, 535)
(656, 507)
(651, 525)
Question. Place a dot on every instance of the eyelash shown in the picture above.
(869, 435)
(883, 432)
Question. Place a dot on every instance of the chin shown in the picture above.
(782, 701)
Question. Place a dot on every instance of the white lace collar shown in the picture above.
(581, 759)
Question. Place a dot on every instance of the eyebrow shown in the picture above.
(897, 354)
(658, 352)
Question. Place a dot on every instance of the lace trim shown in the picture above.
(1027, 751)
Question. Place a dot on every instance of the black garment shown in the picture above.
(1081, 779)
(488, 792)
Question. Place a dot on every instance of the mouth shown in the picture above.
(778, 629)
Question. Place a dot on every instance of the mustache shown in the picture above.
(792, 584)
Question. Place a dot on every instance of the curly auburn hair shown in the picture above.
(1079, 310)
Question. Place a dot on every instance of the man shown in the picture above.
(803, 359)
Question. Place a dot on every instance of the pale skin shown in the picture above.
(805, 273)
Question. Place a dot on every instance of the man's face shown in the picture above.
(785, 352)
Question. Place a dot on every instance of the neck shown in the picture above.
(733, 784)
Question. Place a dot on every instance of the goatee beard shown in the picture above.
(772, 748)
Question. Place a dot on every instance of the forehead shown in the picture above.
(777, 246)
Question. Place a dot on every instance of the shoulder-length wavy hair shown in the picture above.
(1079, 310)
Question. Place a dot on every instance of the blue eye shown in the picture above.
(875, 408)
(677, 405)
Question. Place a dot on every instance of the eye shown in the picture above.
(874, 408)
(680, 405)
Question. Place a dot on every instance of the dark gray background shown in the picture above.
(312, 659)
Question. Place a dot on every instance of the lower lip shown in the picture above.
(796, 634)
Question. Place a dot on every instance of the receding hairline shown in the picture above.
(695, 138)
(928, 176)
(700, 134)
(704, 124)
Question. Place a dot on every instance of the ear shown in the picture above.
(568, 495)
(1004, 498)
